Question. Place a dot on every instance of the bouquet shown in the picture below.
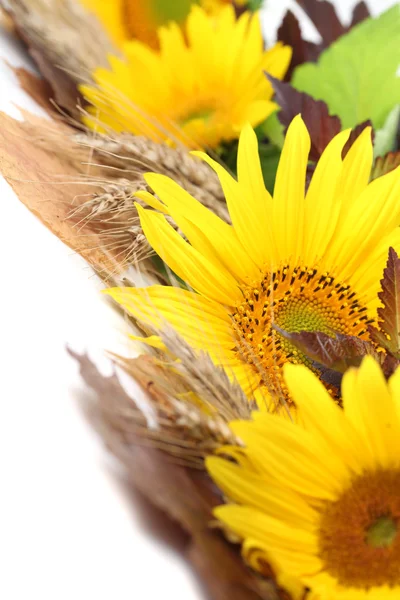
(240, 202)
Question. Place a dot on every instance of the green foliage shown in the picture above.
(385, 138)
(255, 4)
(165, 10)
(356, 76)
(274, 130)
(269, 157)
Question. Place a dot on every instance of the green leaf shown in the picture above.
(255, 4)
(274, 130)
(385, 138)
(356, 76)
(269, 157)
(165, 10)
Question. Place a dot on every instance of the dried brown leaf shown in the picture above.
(32, 173)
(337, 353)
(388, 334)
(185, 495)
(355, 132)
(385, 164)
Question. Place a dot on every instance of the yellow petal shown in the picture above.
(214, 238)
(288, 212)
(373, 215)
(252, 523)
(322, 204)
(356, 170)
(259, 492)
(372, 410)
(322, 417)
(202, 323)
(186, 261)
(248, 216)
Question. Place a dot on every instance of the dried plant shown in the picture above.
(136, 155)
(187, 404)
(66, 42)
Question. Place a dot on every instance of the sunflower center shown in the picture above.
(296, 299)
(358, 538)
(382, 533)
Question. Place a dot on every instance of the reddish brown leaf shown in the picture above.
(337, 353)
(385, 164)
(389, 325)
(360, 13)
(321, 126)
(323, 14)
(389, 365)
(325, 18)
(354, 135)
(303, 51)
(186, 496)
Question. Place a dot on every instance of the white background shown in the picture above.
(68, 529)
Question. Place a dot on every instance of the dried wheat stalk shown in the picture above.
(170, 421)
(137, 155)
(68, 36)
(66, 42)
(208, 382)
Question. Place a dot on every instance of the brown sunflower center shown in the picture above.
(359, 534)
(296, 299)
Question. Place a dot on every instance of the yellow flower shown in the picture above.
(200, 92)
(321, 501)
(140, 19)
(302, 261)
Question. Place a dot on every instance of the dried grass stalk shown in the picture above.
(190, 403)
(68, 35)
(108, 213)
(135, 155)
(173, 419)
(185, 495)
(181, 423)
(66, 42)
(207, 381)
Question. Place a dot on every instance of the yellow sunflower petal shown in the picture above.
(288, 205)
(373, 215)
(279, 448)
(252, 523)
(220, 57)
(184, 260)
(320, 217)
(356, 170)
(322, 417)
(251, 489)
(200, 322)
(373, 412)
(215, 238)
(249, 214)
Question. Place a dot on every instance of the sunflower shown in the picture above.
(320, 501)
(198, 92)
(140, 19)
(304, 262)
